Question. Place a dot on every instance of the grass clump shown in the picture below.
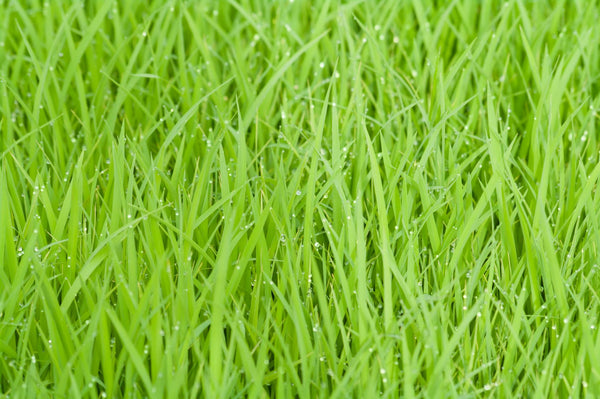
(257, 199)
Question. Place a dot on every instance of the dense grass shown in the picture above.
(279, 199)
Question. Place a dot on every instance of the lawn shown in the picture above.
(252, 198)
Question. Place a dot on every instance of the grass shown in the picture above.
(246, 198)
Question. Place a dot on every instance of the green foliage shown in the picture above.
(247, 198)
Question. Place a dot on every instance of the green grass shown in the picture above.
(247, 198)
